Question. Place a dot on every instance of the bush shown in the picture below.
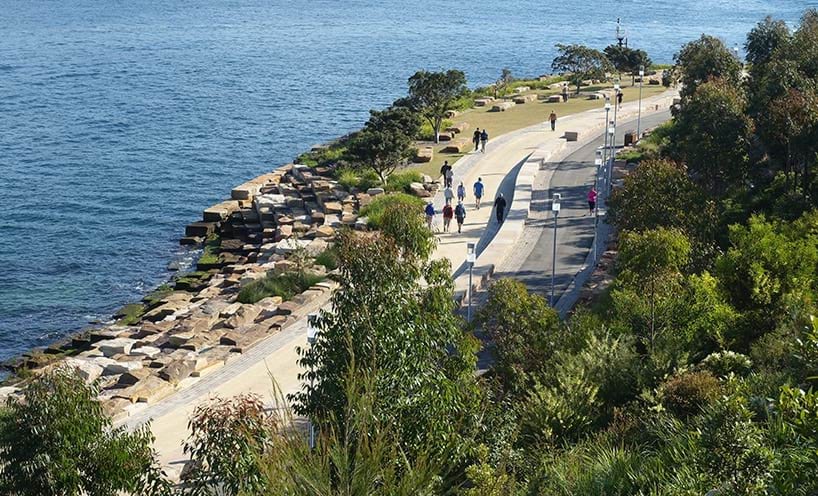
(328, 258)
(284, 285)
(686, 394)
(60, 442)
(227, 439)
(376, 210)
(724, 363)
(332, 154)
(347, 178)
(400, 181)
(368, 179)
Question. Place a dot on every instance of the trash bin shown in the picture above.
(630, 138)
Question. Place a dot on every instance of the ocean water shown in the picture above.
(120, 121)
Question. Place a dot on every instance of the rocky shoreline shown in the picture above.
(274, 224)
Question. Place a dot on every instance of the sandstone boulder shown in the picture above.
(121, 367)
(118, 346)
(87, 369)
(149, 390)
(177, 370)
(243, 316)
(131, 377)
(418, 190)
(145, 351)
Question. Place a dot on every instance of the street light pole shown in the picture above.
(607, 123)
(613, 136)
(470, 259)
(598, 163)
(312, 335)
(639, 113)
(555, 207)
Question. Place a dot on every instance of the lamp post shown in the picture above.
(613, 134)
(605, 149)
(555, 207)
(312, 335)
(639, 112)
(608, 175)
(598, 163)
(470, 259)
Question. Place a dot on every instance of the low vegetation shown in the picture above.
(285, 285)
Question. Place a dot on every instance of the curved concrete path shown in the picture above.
(511, 164)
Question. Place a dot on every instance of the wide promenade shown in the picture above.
(518, 164)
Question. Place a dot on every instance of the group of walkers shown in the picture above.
(450, 210)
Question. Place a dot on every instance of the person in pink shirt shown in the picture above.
(591, 201)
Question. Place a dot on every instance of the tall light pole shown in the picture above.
(312, 335)
(471, 257)
(639, 112)
(608, 172)
(555, 208)
(607, 123)
(613, 135)
(598, 163)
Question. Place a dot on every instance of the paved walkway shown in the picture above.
(572, 179)
(506, 167)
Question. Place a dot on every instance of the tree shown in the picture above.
(767, 272)
(581, 63)
(59, 442)
(704, 59)
(432, 94)
(764, 39)
(402, 334)
(523, 328)
(228, 438)
(651, 263)
(659, 193)
(712, 135)
(627, 60)
(386, 141)
(501, 86)
(790, 127)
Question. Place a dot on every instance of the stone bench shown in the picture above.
(522, 99)
(596, 96)
(483, 102)
(521, 89)
(554, 99)
(502, 106)
(457, 146)
(555, 86)
(441, 137)
(424, 154)
(458, 128)
(571, 135)
(451, 114)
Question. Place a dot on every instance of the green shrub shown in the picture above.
(686, 394)
(284, 285)
(368, 179)
(326, 156)
(348, 178)
(376, 210)
(724, 363)
(328, 258)
(400, 181)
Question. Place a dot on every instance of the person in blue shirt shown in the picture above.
(430, 215)
(460, 215)
(478, 192)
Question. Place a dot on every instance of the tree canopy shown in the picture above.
(386, 142)
(432, 94)
(626, 59)
(704, 59)
(580, 62)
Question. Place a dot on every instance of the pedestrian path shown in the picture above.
(510, 165)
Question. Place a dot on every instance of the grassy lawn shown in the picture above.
(525, 115)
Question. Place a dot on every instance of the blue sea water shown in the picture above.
(120, 121)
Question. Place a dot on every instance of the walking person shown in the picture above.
(430, 215)
(564, 93)
(445, 169)
(448, 213)
(553, 119)
(592, 200)
(447, 178)
(478, 192)
(500, 205)
(484, 136)
(619, 99)
(448, 195)
(476, 139)
(461, 192)
(460, 215)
